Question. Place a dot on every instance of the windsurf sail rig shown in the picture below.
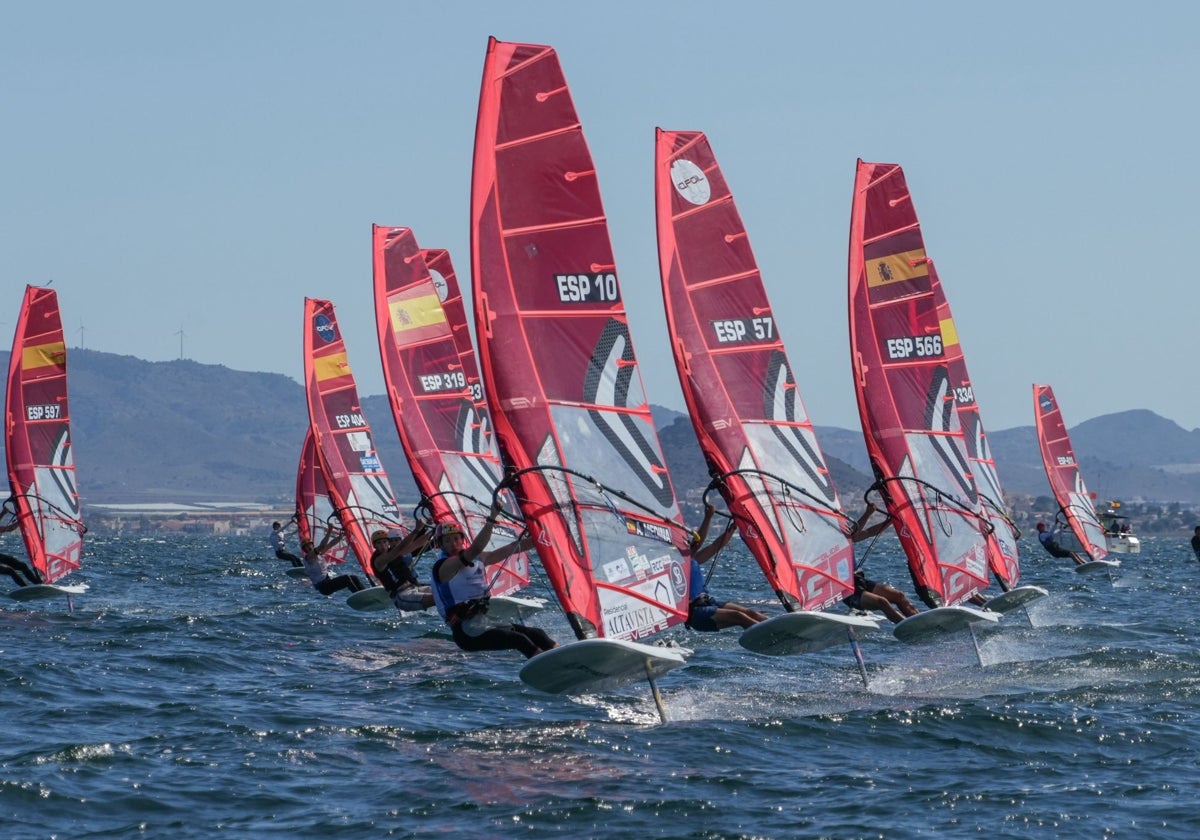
(436, 394)
(357, 483)
(1002, 538)
(1066, 481)
(314, 510)
(739, 386)
(41, 461)
(906, 396)
(558, 363)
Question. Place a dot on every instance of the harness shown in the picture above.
(466, 610)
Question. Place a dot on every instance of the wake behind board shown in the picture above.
(598, 665)
(1096, 566)
(508, 608)
(940, 620)
(1015, 597)
(42, 591)
(802, 632)
(372, 599)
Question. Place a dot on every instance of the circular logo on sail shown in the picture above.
(439, 283)
(325, 328)
(690, 182)
(679, 580)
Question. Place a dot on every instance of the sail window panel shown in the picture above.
(751, 389)
(619, 450)
(592, 362)
(792, 453)
(712, 244)
(533, 95)
(546, 183)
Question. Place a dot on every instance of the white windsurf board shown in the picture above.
(42, 591)
(1096, 566)
(803, 632)
(940, 620)
(372, 599)
(1016, 597)
(598, 665)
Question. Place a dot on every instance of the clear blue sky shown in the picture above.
(205, 166)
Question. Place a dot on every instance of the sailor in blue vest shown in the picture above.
(704, 612)
(392, 564)
(460, 590)
(1049, 541)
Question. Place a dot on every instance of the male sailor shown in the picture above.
(1048, 541)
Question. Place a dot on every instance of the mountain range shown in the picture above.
(181, 431)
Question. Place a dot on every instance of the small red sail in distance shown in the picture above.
(739, 386)
(358, 486)
(558, 363)
(906, 396)
(41, 459)
(1062, 470)
(313, 507)
(436, 393)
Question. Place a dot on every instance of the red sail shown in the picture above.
(358, 486)
(558, 364)
(41, 461)
(739, 386)
(313, 507)
(906, 395)
(1002, 541)
(436, 394)
(1058, 457)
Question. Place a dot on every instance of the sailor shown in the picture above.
(870, 595)
(1196, 542)
(460, 590)
(706, 614)
(322, 581)
(277, 545)
(21, 574)
(1046, 537)
(392, 564)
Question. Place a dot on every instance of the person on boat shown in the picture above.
(392, 564)
(21, 573)
(460, 591)
(870, 595)
(705, 613)
(277, 545)
(1046, 538)
(1196, 542)
(322, 581)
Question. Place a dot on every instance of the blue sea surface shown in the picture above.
(196, 691)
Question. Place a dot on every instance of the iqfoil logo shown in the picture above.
(325, 328)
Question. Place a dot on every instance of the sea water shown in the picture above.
(196, 690)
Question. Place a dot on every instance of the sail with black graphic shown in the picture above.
(1075, 508)
(744, 402)
(906, 397)
(436, 395)
(562, 379)
(1002, 537)
(357, 483)
(44, 496)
